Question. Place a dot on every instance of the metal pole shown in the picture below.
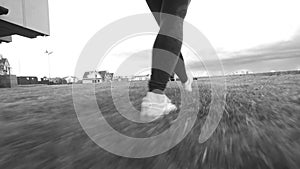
(49, 53)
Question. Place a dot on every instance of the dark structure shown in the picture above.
(58, 81)
(8, 81)
(3, 10)
(5, 39)
(52, 81)
(44, 80)
(28, 18)
(27, 80)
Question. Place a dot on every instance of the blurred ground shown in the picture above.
(259, 128)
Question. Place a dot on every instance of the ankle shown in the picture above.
(156, 97)
(184, 81)
(157, 91)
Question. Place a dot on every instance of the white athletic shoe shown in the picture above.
(188, 84)
(155, 106)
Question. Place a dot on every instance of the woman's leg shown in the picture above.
(165, 47)
(155, 7)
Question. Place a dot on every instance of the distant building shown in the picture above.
(140, 78)
(6, 79)
(241, 72)
(44, 80)
(53, 81)
(27, 80)
(121, 78)
(106, 76)
(117, 78)
(4, 66)
(57, 81)
(92, 77)
(97, 77)
(71, 79)
(109, 76)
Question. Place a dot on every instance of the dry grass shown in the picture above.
(259, 128)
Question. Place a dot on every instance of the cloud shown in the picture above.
(284, 55)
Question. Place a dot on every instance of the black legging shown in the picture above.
(165, 47)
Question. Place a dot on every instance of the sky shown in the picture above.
(257, 35)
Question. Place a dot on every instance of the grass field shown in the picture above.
(260, 128)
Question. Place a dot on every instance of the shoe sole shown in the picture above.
(148, 119)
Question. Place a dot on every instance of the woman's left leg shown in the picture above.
(165, 54)
(168, 43)
(155, 7)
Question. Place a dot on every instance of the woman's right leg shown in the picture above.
(180, 69)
